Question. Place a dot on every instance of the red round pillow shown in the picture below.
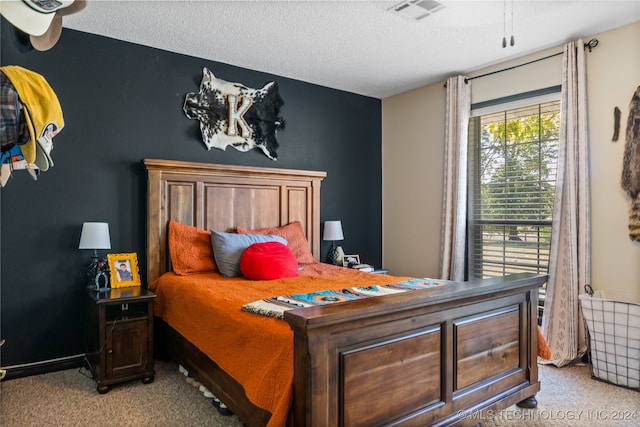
(268, 261)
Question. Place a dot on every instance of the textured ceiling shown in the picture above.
(356, 46)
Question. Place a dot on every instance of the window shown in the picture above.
(512, 173)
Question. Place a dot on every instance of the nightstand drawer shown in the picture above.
(132, 310)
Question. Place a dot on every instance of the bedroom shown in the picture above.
(118, 98)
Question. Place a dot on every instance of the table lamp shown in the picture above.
(95, 235)
(333, 232)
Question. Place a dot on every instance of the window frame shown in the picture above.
(526, 99)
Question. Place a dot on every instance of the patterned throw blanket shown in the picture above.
(276, 306)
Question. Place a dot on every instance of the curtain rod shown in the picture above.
(588, 45)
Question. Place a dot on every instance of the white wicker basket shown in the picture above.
(613, 323)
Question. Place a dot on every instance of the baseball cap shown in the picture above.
(42, 112)
(32, 16)
(26, 42)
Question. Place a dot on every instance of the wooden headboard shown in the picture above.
(223, 197)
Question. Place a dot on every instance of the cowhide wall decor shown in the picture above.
(236, 115)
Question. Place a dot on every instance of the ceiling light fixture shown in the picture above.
(416, 9)
(504, 25)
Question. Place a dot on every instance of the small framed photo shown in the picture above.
(124, 270)
(350, 260)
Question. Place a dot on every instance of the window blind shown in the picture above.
(512, 174)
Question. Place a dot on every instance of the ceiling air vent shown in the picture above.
(416, 9)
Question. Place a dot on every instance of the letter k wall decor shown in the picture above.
(236, 115)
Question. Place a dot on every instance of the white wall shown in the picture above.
(413, 153)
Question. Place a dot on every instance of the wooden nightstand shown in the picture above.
(120, 336)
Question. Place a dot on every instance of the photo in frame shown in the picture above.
(124, 270)
(350, 260)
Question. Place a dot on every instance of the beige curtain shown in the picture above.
(455, 179)
(569, 264)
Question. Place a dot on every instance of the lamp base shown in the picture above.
(335, 255)
(97, 274)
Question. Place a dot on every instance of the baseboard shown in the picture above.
(36, 368)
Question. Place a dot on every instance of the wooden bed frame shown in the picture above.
(438, 356)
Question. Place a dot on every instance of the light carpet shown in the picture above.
(569, 397)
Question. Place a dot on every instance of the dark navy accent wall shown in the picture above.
(123, 102)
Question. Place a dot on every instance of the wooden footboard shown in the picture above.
(439, 356)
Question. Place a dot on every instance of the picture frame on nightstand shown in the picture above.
(350, 260)
(124, 270)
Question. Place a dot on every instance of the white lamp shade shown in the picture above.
(95, 235)
(332, 230)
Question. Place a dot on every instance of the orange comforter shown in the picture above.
(257, 351)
